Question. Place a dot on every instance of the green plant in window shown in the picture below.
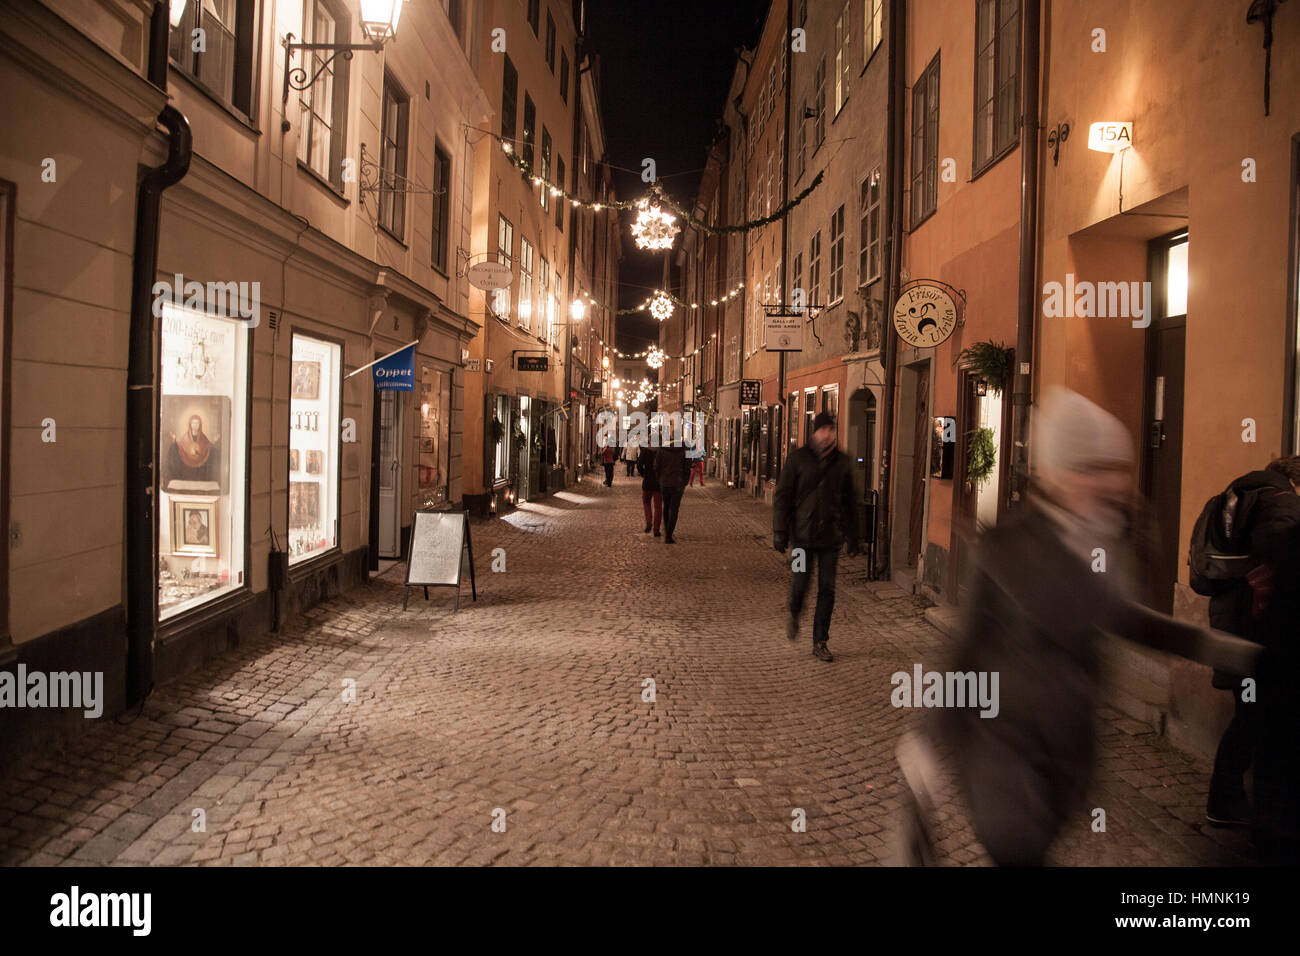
(989, 362)
(498, 430)
(981, 455)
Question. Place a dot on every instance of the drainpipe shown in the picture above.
(892, 264)
(579, 55)
(141, 398)
(1028, 296)
(785, 229)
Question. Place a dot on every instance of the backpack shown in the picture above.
(1219, 556)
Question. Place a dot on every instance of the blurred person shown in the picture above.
(609, 455)
(630, 452)
(651, 497)
(695, 458)
(1046, 586)
(815, 509)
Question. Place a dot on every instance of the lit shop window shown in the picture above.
(435, 401)
(202, 466)
(313, 447)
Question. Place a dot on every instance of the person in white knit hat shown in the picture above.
(1046, 587)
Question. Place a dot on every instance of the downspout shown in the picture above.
(784, 443)
(141, 377)
(892, 265)
(1028, 298)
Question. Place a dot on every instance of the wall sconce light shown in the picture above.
(1110, 137)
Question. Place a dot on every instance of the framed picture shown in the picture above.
(315, 462)
(304, 504)
(306, 380)
(293, 459)
(194, 525)
(193, 453)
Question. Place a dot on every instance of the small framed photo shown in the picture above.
(293, 459)
(315, 462)
(194, 525)
(306, 380)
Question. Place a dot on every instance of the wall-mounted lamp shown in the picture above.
(1110, 137)
(1055, 137)
(378, 23)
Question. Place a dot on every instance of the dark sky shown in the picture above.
(665, 68)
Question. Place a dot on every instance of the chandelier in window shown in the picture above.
(654, 228)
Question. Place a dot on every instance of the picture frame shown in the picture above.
(293, 459)
(305, 380)
(194, 525)
(315, 462)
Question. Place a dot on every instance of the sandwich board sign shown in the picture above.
(436, 552)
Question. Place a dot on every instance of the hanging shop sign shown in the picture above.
(925, 315)
(783, 331)
(396, 372)
(490, 276)
(532, 363)
(751, 391)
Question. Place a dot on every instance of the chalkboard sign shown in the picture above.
(435, 556)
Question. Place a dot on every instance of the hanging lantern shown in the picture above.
(661, 307)
(654, 228)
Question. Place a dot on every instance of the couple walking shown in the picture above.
(664, 475)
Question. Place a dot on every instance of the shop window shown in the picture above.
(392, 187)
(323, 136)
(997, 86)
(434, 436)
(314, 386)
(809, 413)
(925, 143)
(501, 427)
(203, 409)
(224, 64)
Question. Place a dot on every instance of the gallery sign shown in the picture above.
(783, 332)
(925, 315)
(396, 372)
(751, 391)
(532, 363)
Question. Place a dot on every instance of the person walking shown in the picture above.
(1038, 607)
(630, 452)
(816, 511)
(652, 499)
(695, 456)
(609, 455)
(670, 472)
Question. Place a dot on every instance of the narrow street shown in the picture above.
(530, 700)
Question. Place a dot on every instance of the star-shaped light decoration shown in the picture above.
(661, 307)
(655, 357)
(654, 228)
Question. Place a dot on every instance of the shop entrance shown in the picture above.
(523, 488)
(910, 467)
(390, 474)
(1162, 420)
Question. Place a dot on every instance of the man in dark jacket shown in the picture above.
(816, 511)
(650, 493)
(671, 472)
(1268, 504)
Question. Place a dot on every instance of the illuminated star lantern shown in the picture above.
(654, 228)
(661, 307)
(655, 358)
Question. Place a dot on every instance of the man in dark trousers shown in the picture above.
(816, 511)
(652, 499)
(671, 471)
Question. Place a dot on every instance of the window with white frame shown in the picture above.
(925, 143)
(837, 255)
(224, 63)
(800, 156)
(525, 284)
(872, 27)
(842, 36)
(546, 300)
(819, 104)
(323, 134)
(815, 267)
(392, 186)
(796, 284)
(869, 229)
(505, 254)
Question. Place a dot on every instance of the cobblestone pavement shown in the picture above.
(529, 701)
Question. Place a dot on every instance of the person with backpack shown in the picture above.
(1241, 556)
(815, 509)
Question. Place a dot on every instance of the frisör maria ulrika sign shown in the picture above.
(925, 315)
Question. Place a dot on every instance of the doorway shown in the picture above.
(910, 466)
(524, 466)
(1162, 418)
(390, 474)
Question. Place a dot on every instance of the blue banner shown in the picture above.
(397, 372)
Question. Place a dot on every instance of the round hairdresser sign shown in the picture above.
(925, 315)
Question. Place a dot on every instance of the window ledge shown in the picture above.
(324, 183)
(235, 113)
(392, 235)
(993, 160)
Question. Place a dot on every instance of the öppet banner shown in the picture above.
(396, 372)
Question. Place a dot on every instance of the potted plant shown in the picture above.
(981, 455)
(989, 362)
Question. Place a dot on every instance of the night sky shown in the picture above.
(665, 69)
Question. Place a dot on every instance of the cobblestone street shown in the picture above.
(530, 700)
